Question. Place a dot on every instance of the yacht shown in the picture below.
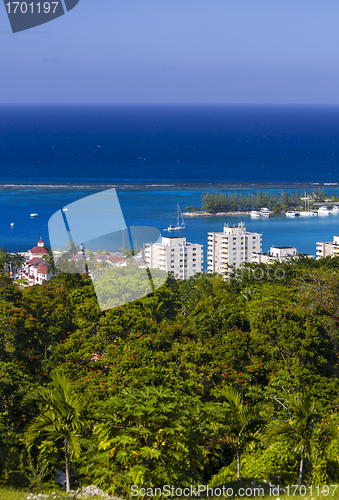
(33, 215)
(335, 209)
(265, 212)
(12, 224)
(180, 222)
(65, 209)
(255, 214)
(323, 210)
(308, 213)
(292, 213)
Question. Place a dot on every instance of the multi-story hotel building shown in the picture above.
(233, 247)
(324, 249)
(275, 254)
(175, 255)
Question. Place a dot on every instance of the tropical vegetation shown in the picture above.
(228, 201)
(203, 381)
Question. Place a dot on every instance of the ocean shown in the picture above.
(157, 156)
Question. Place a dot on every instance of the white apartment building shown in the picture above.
(233, 247)
(279, 254)
(175, 255)
(324, 249)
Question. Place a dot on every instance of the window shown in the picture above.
(194, 254)
(194, 260)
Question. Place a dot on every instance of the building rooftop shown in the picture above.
(115, 258)
(34, 260)
(174, 237)
(282, 248)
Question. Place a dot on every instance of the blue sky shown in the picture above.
(177, 51)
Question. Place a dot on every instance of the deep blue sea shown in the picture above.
(158, 155)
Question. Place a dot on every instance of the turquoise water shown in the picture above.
(190, 148)
(154, 207)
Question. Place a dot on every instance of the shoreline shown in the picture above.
(203, 213)
(217, 214)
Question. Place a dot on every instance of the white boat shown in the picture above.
(180, 222)
(308, 213)
(292, 213)
(12, 224)
(65, 209)
(33, 215)
(323, 211)
(255, 214)
(335, 210)
(265, 212)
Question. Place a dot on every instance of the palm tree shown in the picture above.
(155, 312)
(245, 419)
(128, 253)
(51, 267)
(300, 430)
(60, 418)
(17, 260)
(247, 294)
(5, 260)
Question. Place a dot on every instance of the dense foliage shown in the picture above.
(223, 202)
(202, 381)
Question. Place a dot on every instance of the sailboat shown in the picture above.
(307, 212)
(180, 222)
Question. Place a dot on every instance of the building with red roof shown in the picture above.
(116, 261)
(35, 270)
(38, 251)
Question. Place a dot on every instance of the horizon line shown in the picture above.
(66, 103)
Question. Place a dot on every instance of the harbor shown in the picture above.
(157, 207)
